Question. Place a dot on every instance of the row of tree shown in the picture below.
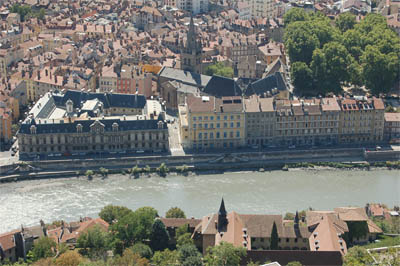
(26, 12)
(326, 56)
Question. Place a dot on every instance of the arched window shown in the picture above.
(115, 127)
(79, 128)
(33, 129)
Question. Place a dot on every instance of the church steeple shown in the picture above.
(222, 220)
(191, 53)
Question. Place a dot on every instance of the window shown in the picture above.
(217, 135)
(231, 124)
(238, 134)
(218, 118)
(225, 117)
(237, 124)
(211, 135)
(205, 125)
(200, 135)
(225, 125)
(225, 135)
(211, 118)
(218, 125)
(206, 118)
(232, 117)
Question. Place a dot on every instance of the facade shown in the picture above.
(392, 127)
(263, 8)
(209, 122)
(9, 56)
(78, 122)
(361, 120)
(191, 53)
(260, 121)
(193, 6)
(5, 126)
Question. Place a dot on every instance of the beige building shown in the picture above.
(208, 122)
(260, 121)
(9, 56)
(392, 127)
(361, 120)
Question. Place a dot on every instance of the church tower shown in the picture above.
(222, 219)
(191, 52)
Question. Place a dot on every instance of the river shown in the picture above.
(273, 192)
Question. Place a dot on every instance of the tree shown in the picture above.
(289, 216)
(70, 258)
(345, 21)
(302, 78)
(357, 256)
(135, 171)
(159, 237)
(165, 258)
(175, 212)
(294, 263)
(183, 236)
(93, 243)
(162, 169)
(111, 213)
(89, 173)
(130, 258)
(295, 14)
(45, 247)
(274, 237)
(103, 171)
(218, 69)
(42, 13)
(379, 70)
(143, 250)
(23, 11)
(224, 254)
(189, 255)
(300, 41)
(44, 262)
(133, 227)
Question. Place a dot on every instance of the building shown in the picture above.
(209, 122)
(9, 56)
(251, 231)
(8, 247)
(191, 52)
(244, 10)
(307, 122)
(361, 120)
(5, 127)
(250, 68)
(193, 6)
(79, 122)
(260, 121)
(392, 127)
(263, 8)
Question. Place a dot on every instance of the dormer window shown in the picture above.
(79, 128)
(115, 127)
(160, 125)
(33, 129)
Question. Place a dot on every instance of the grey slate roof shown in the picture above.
(71, 127)
(108, 99)
(221, 86)
(187, 77)
(266, 84)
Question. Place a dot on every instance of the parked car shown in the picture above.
(292, 147)
(139, 151)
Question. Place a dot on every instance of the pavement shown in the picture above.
(174, 137)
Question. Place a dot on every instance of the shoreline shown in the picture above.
(185, 170)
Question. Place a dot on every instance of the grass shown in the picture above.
(385, 241)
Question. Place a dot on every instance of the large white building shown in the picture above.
(193, 6)
(264, 8)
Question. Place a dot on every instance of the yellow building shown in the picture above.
(361, 120)
(5, 126)
(208, 122)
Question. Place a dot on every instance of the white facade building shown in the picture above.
(193, 6)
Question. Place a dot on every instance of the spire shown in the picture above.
(222, 210)
(296, 218)
(222, 220)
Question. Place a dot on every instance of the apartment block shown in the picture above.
(208, 122)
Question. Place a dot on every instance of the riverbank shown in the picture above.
(199, 163)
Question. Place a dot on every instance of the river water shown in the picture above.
(273, 192)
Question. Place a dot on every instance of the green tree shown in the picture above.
(219, 69)
(294, 263)
(135, 171)
(165, 258)
(345, 21)
(289, 216)
(302, 78)
(162, 169)
(357, 256)
(274, 237)
(224, 254)
(23, 11)
(103, 171)
(70, 258)
(295, 14)
(380, 71)
(111, 213)
(175, 212)
(45, 247)
(42, 13)
(94, 243)
(159, 237)
(300, 41)
(189, 255)
(133, 227)
(143, 250)
(89, 173)
(183, 236)
(130, 258)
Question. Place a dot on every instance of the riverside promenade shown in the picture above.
(195, 162)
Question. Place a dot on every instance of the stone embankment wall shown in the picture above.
(200, 162)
